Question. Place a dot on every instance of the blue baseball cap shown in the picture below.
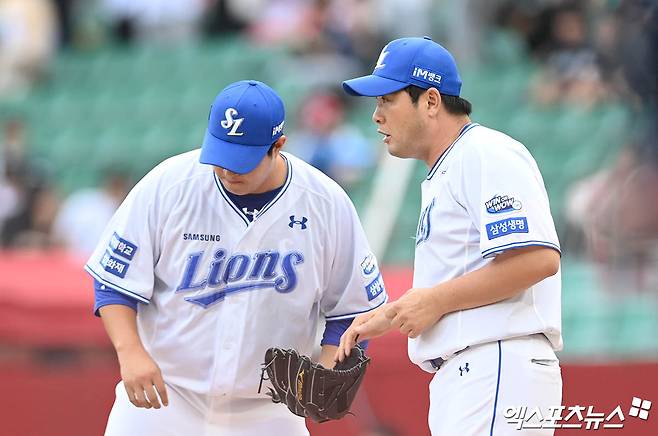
(245, 119)
(409, 61)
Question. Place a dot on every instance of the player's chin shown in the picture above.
(237, 188)
(395, 150)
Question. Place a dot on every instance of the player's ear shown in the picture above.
(432, 101)
(278, 145)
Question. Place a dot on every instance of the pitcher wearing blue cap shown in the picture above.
(484, 310)
(215, 256)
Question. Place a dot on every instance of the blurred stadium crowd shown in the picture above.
(94, 93)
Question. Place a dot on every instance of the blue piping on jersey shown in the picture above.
(493, 419)
(443, 156)
(286, 184)
(116, 287)
(228, 200)
(490, 251)
(352, 315)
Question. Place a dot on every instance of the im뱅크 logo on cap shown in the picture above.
(277, 129)
(427, 76)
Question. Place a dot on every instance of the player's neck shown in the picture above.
(443, 138)
(276, 178)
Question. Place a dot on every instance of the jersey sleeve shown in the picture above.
(333, 331)
(354, 284)
(125, 255)
(504, 194)
(104, 296)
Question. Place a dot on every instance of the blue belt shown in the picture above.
(436, 363)
(439, 361)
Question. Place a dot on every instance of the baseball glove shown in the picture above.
(311, 390)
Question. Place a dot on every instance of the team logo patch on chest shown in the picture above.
(502, 203)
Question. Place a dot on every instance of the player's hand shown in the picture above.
(365, 326)
(414, 312)
(142, 378)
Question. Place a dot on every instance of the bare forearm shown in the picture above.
(121, 326)
(504, 277)
(141, 375)
(327, 355)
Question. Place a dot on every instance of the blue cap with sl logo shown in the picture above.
(245, 119)
(409, 61)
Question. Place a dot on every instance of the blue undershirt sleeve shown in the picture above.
(333, 330)
(104, 295)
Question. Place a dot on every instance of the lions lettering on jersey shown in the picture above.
(239, 273)
(424, 225)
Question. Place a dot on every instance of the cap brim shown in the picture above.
(237, 158)
(372, 86)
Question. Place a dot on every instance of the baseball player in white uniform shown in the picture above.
(484, 310)
(216, 255)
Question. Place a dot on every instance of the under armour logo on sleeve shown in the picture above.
(232, 123)
(302, 222)
(464, 369)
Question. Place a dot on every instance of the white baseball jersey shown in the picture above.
(483, 196)
(219, 290)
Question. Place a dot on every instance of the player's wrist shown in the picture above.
(438, 300)
(129, 347)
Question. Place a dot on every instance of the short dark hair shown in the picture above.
(453, 104)
(270, 150)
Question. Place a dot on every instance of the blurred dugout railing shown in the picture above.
(133, 107)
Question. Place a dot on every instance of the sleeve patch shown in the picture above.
(502, 204)
(374, 288)
(113, 265)
(369, 265)
(506, 227)
(123, 248)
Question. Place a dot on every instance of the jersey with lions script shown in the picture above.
(219, 289)
(483, 196)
